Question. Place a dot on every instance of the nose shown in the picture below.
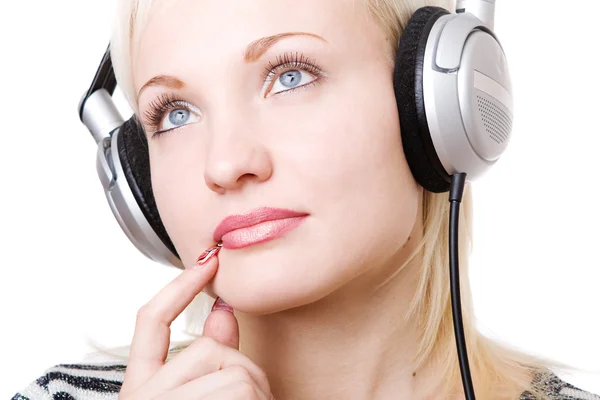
(235, 158)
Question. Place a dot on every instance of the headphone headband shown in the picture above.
(484, 10)
(104, 79)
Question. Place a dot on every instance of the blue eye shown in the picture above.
(291, 71)
(177, 117)
(167, 112)
(290, 80)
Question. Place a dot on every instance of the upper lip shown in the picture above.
(254, 217)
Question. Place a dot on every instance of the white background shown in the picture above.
(68, 271)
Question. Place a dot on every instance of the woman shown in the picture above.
(351, 298)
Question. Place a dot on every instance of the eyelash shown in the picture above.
(157, 109)
(290, 61)
(168, 102)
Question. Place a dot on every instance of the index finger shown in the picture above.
(152, 334)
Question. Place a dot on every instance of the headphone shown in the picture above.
(454, 97)
(453, 92)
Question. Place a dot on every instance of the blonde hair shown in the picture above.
(497, 369)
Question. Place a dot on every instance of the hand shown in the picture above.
(210, 368)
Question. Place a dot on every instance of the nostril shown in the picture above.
(247, 177)
(214, 186)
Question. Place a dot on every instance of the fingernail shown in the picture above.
(221, 305)
(207, 255)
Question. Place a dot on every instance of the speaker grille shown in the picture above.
(498, 124)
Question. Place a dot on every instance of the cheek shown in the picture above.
(354, 175)
(177, 190)
(350, 143)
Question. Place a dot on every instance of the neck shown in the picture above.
(351, 344)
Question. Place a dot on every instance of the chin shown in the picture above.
(274, 278)
(260, 296)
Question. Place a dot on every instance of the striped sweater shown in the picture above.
(102, 381)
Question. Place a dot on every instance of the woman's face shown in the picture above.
(304, 122)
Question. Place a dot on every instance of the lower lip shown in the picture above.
(259, 233)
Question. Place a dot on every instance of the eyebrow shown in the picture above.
(257, 48)
(163, 80)
(253, 52)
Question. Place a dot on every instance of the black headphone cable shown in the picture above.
(456, 192)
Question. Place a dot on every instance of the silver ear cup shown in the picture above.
(485, 96)
(102, 119)
(467, 95)
(125, 207)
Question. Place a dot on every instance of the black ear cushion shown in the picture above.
(133, 153)
(408, 86)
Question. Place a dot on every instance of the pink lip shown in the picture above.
(260, 225)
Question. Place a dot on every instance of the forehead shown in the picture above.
(188, 32)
